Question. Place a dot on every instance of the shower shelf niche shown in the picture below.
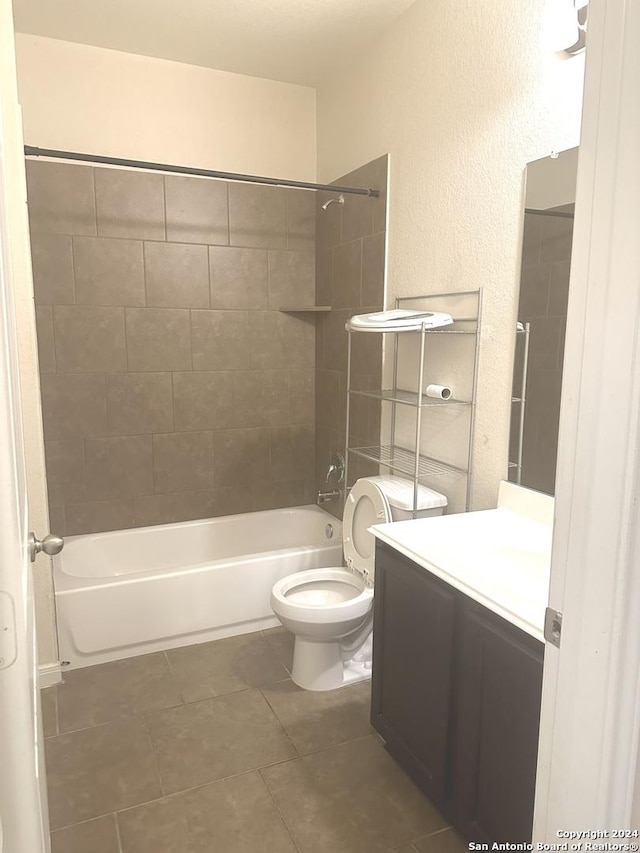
(299, 309)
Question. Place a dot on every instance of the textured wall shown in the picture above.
(462, 96)
(350, 276)
(81, 98)
(172, 387)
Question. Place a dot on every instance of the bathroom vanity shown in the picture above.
(458, 653)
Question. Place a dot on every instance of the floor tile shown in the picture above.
(49, 702)
(94, 836)
(100, 770)
(442, 842)
(282, 642)
(353, 798)
(209, 740)
(234, 816)
(110, 691)
(225, 666)
(316, 720)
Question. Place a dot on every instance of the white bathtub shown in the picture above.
(130, 592)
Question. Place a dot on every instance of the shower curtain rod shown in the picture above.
(562, 213)
(32, 151)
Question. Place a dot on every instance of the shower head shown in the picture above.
(339, 200)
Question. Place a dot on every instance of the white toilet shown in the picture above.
(330, 610)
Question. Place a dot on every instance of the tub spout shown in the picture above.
(332, 495)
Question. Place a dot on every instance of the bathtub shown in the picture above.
(130, 592)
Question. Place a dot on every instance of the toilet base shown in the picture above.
(320, 666)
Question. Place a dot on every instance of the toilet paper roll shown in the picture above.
(440, 392)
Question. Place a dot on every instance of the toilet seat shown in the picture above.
(366, 505)
(295, 597)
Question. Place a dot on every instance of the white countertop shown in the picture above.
(498, 557)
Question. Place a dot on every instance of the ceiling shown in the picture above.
(296, 41)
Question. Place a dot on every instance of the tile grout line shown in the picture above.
(153, 754)
(288, 829)
(118, 836)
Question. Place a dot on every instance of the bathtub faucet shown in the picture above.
(331, 495)
(336, 467)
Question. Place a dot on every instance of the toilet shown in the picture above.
(330, 610)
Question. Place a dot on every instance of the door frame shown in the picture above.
(588, 754)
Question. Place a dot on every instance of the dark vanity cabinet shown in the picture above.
(456, 697)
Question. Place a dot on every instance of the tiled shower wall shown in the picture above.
(544, 292)
(172, 387)
(350, 264)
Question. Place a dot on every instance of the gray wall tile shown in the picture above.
(324, 276)
(221, 340)
(108, 271)
(270, 495)
(301, 219)
(202, 401)
(139, 403)
(158, 339)
(281, 340)
(118, 467)
(301, 396)
(347, 275)
(241, 456)
(197, 210)
(329, 221)
(373, 260)
(182, 461)
(130, 204)
(98, 516)
(174, 366)
(260, 397)
(46, 347)
(350, 261)
(60, 198)
(257, 216)
(57, 518)
(188, 506)
(52, 263)
(239, 278)
(89, 340)
(73, 406)
(66, 479)
(177, 275)
(291, 278)
(292, 452)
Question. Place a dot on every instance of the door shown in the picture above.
(23, 809)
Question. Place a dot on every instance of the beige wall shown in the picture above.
(461, 96)
(23, 293)
(80, 98)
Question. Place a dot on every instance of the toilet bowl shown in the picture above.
(330, 610)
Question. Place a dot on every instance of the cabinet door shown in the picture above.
(412, 648)
(499, 679)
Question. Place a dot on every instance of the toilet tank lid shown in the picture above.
(399, 493)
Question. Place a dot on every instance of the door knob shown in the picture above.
(51, 545)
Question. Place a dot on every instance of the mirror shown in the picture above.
(542, 315)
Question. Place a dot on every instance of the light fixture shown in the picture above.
(565, 26)
(582, 14)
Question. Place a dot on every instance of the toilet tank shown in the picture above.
(399, 493)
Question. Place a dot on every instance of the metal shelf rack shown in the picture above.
(412, 461)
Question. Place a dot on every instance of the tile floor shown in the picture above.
(212, 749)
